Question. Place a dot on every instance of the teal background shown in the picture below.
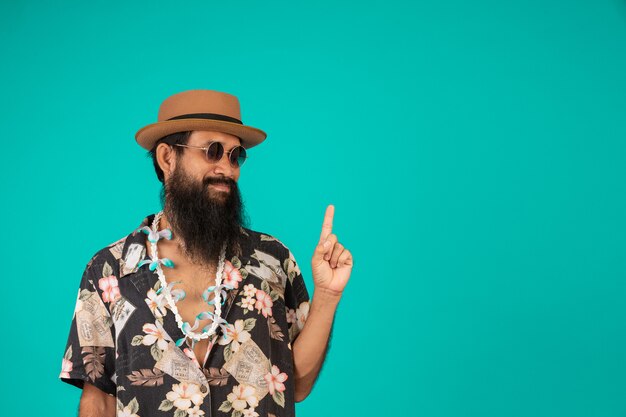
(474, 152)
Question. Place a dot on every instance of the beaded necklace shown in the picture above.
(172, 296)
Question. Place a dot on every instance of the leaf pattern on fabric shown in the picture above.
(93, 360)
(68, 354)
(279, 397)
(236, 262)
(166, 405)
(157, 353)
(216, 376)
(85, 294)
(265, 286)
(274, 289)
(228, 352)
(248, 324)
(130, 410)
(107, 270)
(231, 297)
(275, 331)
(133, 406)
(226, 406)
(291, 267)
(147, 377)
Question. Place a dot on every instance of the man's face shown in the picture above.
(201, 198)
(199, 168)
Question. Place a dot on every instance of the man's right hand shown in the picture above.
(96, 403)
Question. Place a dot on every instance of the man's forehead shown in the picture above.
(203, 137)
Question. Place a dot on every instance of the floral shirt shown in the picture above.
(122, 336)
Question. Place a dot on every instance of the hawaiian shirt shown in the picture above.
(123, 335)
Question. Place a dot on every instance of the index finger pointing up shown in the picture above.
(327, 226)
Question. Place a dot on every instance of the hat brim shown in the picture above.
(147, 136)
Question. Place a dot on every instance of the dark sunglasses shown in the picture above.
(214, 152)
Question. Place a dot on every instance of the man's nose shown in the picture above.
(224, 168)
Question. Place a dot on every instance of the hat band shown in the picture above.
(211, 116)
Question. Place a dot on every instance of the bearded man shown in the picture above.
(194, 313)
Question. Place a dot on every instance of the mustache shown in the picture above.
(219, 180)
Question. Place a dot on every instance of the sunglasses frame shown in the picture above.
(206, 152)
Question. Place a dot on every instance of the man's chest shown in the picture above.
(241, 355)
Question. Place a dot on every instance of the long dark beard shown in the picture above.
(202, 219)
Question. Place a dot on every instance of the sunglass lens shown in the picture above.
(215, 151)
(238, 156)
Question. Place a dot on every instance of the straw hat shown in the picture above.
(199, 110)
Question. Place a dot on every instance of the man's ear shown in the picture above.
(166, 158)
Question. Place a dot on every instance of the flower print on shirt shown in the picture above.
(302, 313)
(195, 412)
(296, 318)
(232, 275)
(247, 298)
(181, 397)
(249, 412)
(263, 303)
(275, 379)
(110, 288)
(249, 290)
(154, 334)
(236, 334)
(241, 398)
(248, 303)
(156, 303)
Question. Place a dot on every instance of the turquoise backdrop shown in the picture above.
(474, 152)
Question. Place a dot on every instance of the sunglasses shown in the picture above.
(214, 152)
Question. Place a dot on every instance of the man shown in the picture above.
(193, 313)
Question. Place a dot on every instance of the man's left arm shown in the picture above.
(331, 266)
(309, 348)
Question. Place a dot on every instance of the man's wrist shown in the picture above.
(325, 299)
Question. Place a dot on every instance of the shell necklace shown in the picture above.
(172, 295)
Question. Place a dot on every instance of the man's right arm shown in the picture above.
(96, 403)
(89, 359)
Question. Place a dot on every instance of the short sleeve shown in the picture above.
(90, 350)
(297, 301)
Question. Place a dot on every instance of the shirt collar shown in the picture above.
(134, 249)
